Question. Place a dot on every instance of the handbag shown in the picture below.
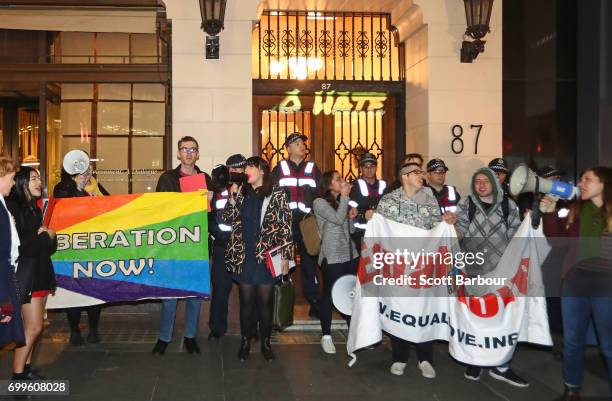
(284, 299)
(310, 234)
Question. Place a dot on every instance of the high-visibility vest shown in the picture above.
(296, 182)
(367, 195)
(448, 202)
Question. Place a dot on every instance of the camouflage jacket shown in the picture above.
(420, 210)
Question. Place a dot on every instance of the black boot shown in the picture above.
(191, 345)
(160, 347)
(76, 338)
(245, 348)
(93, 337)
(266, 349)
(30, 374)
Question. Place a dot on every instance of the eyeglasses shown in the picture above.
(417, 172)
(188, 150)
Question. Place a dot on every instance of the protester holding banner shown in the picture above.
(188, 154)
(74, 187)
(259, 215)
(415, 205)
(338, 255)
(35, 276)
(11, 324)
(220, 277)
(486, 221)
(587, 284)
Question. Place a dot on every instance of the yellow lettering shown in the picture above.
(291, 102)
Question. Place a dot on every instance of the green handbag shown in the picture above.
(284, 298)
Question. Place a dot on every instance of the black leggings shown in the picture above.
(400, 350)
(331, 273)
(252, 296)
(93, 315)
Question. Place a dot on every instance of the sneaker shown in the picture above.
(509, 377)
(427, 370)
(328, 345)
(472, 373)
(397, 368)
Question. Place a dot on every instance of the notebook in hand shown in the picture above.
(273, 261)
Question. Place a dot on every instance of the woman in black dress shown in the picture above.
(35, 276)
(260, 218)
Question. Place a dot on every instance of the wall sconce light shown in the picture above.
(478, 17)
(213, 14)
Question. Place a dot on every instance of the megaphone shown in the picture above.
(76, 162)
(343, 294)
(221, 178)
(524, 179)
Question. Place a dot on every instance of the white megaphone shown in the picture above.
(524, 179)
(343, 294)
(76, 162)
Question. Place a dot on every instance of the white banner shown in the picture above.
(407, 287)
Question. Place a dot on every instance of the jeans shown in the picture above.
(577, 312)
(308, 267)
(400, 350)
(168, 313)
(221, 288)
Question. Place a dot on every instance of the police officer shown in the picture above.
(500, 168)
(220, 277)
(446, 195)
(301, 178)
(365, 194)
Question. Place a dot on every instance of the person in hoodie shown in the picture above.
(486, 222)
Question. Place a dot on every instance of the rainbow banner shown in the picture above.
(129, 248)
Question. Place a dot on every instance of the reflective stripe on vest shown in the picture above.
(360, 226)
(309, 167)
(451, 193)
(302, 207)
(285, 167)
(287, 182)
(354, 204)
(363, 187)
(382, 185)
(225, 227)
(222, 200)
(307, 181)
(293, 205)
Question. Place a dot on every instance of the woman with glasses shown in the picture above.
(259, 215)
(415, 205)
(35, 276)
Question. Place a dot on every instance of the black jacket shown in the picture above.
(67, 188)
(35, 271)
